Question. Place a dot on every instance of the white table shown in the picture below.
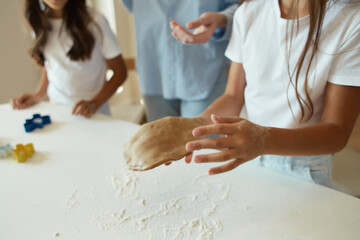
(76, 186)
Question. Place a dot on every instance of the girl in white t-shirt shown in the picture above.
(75, 46)
(294, 80)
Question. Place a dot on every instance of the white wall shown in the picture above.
(126, 35)
(125, 29)
(18, 73)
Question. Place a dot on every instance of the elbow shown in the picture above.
(339, 146)
(341, 142)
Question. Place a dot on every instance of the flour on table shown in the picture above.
(179, 210)
(210, 210)
(125, 184)
(194, 229)
(71, 202)
(186, 216)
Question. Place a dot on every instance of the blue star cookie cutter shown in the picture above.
(37, 121)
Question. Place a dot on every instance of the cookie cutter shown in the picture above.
(5, 151)
(37, 121)
(23, 152)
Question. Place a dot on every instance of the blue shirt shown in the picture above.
(169, 68)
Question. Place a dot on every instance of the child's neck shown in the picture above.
(286, 11)
(56, 13)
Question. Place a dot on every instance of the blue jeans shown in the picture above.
(157, 107)
(315, 169)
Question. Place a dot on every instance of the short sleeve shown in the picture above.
(234, 49)
(345, 68)
(109, 44)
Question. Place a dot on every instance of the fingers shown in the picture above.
(216, 157)
(188, 158)
(217, 120)
(181, 34)
(221, 126)
(226, 167)
(84, 108)
(77, 108)
(213, 143)
(89, 111)
(27, 102)
(173, 24)
(15, 103)
(201, 35)
(214, 129)
(24, 101)
(203, 20)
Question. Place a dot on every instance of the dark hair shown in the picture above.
(77, 20)
(317, 10)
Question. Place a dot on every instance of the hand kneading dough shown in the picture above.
(159, 142)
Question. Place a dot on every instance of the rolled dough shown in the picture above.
(159, 142)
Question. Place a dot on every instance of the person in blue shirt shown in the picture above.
(181, 71)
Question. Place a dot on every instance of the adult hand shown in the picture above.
(204, 26)
(85, 108)
(242, 141)
(25, 100)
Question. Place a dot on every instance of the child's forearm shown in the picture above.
(225, 106)
(120, 74)
(342, 106)
(231, 103)
(324, 138)
(108, 90)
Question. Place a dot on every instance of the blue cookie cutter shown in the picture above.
(37, 121)
(5, 151)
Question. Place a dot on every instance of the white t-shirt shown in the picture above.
(259, 42)
(72, 81)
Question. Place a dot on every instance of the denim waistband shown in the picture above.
(316, 169)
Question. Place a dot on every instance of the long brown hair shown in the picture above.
(317, 10)
(76, 20)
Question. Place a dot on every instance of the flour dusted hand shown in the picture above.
(160, 141)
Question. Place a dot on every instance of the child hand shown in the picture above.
(24, 101)
(242, 141)
(85, 108)
(204, 26)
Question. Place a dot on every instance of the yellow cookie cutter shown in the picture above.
(21, 152)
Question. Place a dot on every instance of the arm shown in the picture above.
(232, 101)
(224, 33)
(244, 140)
(88, 108)
(210, 25)
(26, 100)
(341, 108)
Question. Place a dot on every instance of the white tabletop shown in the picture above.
(76, 186)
